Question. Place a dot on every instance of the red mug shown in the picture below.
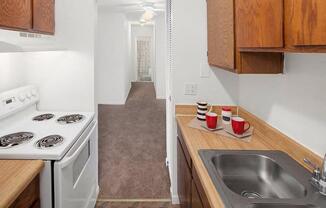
(211, 120)
(238, 125)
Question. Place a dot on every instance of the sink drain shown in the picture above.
(251, 195)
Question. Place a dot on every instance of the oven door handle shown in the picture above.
(68, 160)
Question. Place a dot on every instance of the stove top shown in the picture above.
(49, 141)
(69, 119)
(15, 139)
(43, 117)
(26, 133)
(36, 135)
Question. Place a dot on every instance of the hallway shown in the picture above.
(132, 148)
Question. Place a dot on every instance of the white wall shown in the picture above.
(113, 74)
(190, 57)
(189, 53)
(65, 78)
(11, 71)
(295, 102)
(136, 32)
(160, 56)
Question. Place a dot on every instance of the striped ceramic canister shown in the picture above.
(202, 108)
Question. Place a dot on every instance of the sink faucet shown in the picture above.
(318, 179)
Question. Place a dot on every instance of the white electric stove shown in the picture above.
(65, 141)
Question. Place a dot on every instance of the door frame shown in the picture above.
(152, 56)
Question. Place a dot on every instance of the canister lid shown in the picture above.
(226, 108)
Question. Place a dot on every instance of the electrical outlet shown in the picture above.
(190, 89)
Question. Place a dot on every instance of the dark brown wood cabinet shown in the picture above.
(30, 197)
(43, 16)
(252, 17)
(195, 200)
(28, 15)
(190, 191)
(223, 50)
(16, 14)
(184, 179)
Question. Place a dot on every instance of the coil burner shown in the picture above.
(68, 119)
(15, 139)
(43, 117)
(49, 141)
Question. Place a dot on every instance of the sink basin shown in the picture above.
(257, 176)
(283, 206)
(260, 179)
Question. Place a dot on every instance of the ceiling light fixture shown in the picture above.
(148, 15)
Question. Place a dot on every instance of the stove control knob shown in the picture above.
(34, 93)
(21, 98)
(29, 95)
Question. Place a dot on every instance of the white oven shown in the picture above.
(65, 141)
(75, 181)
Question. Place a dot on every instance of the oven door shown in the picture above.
(76, 175)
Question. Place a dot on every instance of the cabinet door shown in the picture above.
(43, 16)
(195, 199)
(305, 22)
(259, 23)
(184, 180)
(16, 14)
(29, 196)
(36, 204)
(220, 23)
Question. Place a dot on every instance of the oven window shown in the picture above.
(80, 162)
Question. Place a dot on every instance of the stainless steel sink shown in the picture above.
(282, 206)
(261, 179)
(257, 176)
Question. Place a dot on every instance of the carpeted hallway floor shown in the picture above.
(132, 148)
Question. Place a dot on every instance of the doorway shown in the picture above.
(144, 59)
(132, 117)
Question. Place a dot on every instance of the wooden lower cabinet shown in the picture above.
(29, 198)
(36, 204)
(190, 191)
(184, 179)
(195, 199)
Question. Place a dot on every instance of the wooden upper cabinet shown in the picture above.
(28, 15)
(259, 23)
(220, 20)
(305, 22)
(223, 50)
(16, 14)
(43, 16)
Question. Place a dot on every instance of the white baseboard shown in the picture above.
(158, 97)
(174, 197)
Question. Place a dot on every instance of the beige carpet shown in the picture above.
(132, 147)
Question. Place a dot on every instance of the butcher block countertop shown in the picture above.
(15, 176)
(265, 137)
